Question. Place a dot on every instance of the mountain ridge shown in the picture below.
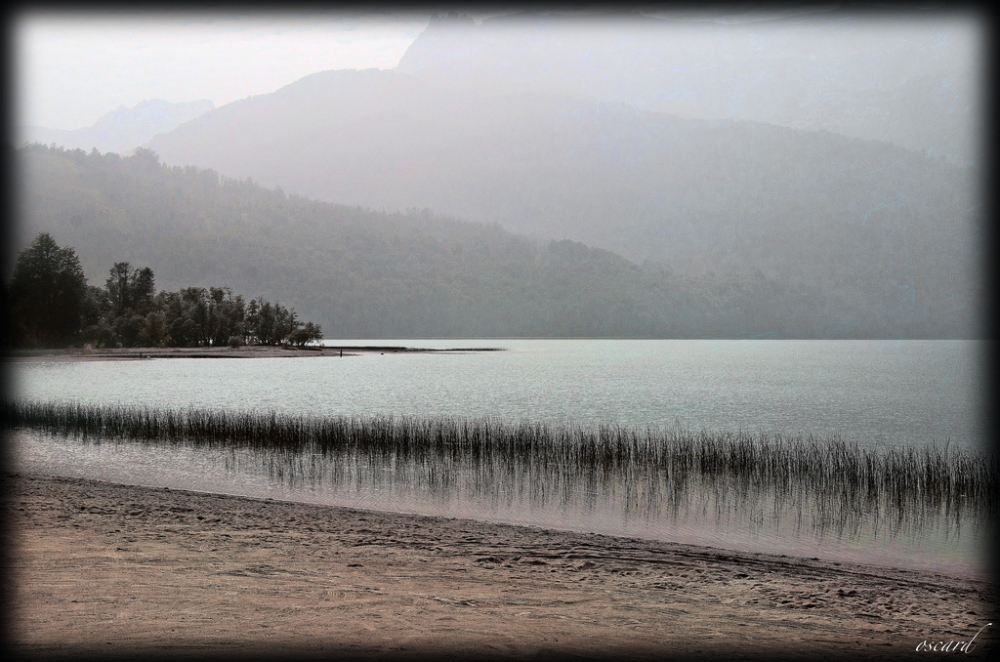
(723, 195)
(914, 85)
(122, 129)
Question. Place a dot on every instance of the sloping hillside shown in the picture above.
(361, 273)
(895, 77)
(853, 219)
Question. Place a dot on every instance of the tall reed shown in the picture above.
(649, 461)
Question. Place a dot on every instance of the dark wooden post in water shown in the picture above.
(341, 353)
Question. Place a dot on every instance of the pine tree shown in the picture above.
(47, 294)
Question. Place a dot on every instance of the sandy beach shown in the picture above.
(99, 569)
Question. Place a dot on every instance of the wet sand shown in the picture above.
(100, 569)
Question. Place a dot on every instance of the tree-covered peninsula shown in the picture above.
(51, 306)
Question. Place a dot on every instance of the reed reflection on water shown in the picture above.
(828, 491)
(822, 509)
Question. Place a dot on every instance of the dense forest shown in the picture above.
(366, 274)
(51, 306)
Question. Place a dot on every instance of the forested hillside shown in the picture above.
(360, 273)
(853, 220)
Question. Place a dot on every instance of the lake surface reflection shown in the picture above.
(876, 393)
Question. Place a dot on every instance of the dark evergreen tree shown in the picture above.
(142, 287)
(118, 288)
(130, 289)
(47, 295)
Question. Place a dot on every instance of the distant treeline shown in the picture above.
(51, 305)
(366, 274)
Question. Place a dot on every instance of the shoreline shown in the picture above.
(113, 569)
(247, 352)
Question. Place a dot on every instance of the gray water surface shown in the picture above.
(872, 392)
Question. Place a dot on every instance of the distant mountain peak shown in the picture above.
(449, 17)
(826, 70)
(122, 129)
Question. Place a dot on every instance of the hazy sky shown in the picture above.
(70, 69)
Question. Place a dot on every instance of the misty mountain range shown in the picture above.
(902, 79)
(811, 156)
(693, 194)
(899, 79)
(121, 130)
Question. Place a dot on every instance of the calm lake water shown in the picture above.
(871, 392)
(890, 392)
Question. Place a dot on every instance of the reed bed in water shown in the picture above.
(930, 475)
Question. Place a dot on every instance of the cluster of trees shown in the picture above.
(51, 305)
